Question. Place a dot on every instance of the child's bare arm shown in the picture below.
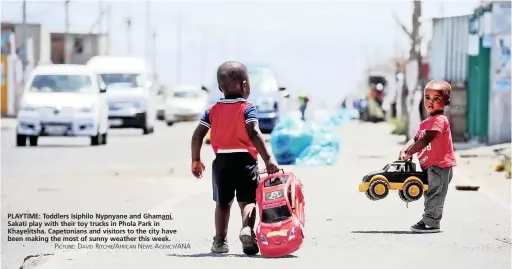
(422, 142)
(257, 139)
(197, 141)
(409, 144)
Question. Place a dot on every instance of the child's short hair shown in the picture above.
(231, 72)
(443, 86)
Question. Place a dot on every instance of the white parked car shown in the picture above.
(63, 100)
(185, 103)
(132, 102)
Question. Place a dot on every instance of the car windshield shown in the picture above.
(276, 214)
(62, 83)
(263, 82)
(122, 81)
(396, 168)
(186, 94)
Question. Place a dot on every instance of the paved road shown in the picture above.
(150, 174)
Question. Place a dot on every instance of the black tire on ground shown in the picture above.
(170, 123)
(374, 192)
(21, 140)
(147, 130)
(104, 139)
(33, 140)
(412, 187)
(96, 140)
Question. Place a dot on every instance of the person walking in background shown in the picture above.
(303, 104)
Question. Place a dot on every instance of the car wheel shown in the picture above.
(21, 140)
(170, 123)
(147, 130)
(96, 140)
(33, 140)
(413, 190)
(379, 189)
(104, 139)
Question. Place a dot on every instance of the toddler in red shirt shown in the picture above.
(433, 143)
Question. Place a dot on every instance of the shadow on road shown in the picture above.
(205, 255)
(384, 232)
(126, 134)
(61, 146)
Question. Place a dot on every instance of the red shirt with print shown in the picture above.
(440, 151)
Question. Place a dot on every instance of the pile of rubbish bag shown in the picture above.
(295, 142)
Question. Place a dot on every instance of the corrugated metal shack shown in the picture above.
(448, 58)
(500, 97)
(489, 97)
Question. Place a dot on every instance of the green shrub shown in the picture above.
(400, 124)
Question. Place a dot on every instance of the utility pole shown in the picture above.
(414, 52)
(148, 33)
(66, 6)
(24, 40)
(178, 49)
(100, 25)
(415, 33)
(23, 56)
(109, 27)
(154, 36)
(129, 35)
(67, 38)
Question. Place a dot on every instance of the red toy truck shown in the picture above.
(280, 199)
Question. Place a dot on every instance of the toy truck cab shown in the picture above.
(281, 209)
(399, 175)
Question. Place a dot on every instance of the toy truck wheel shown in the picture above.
(402, 196)
(368, 194)
(379, 189)
(413, 191)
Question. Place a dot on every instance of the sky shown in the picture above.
(321, 47)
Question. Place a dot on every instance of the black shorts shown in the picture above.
(234, 172)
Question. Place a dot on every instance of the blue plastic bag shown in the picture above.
(324, 149)
(289, 138)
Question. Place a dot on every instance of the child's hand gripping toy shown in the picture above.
(399, 175)
(281, 203)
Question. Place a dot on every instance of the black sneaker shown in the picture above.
(421, 227)
(220, 245)
(249, 243)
